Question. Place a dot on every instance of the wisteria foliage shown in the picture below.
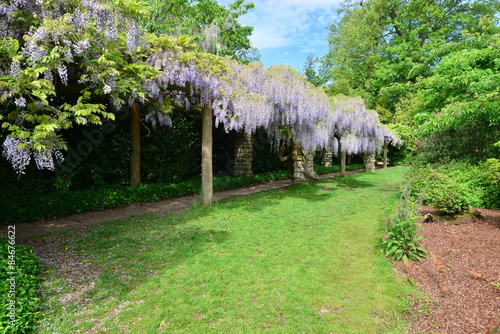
(47, 45)
(357, 129)
(103, 50)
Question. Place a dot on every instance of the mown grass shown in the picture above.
(299, 260)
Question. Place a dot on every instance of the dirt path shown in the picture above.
(82, 220)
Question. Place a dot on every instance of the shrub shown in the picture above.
(19, 309)
(335, 168)
(402, 241)
(451, 188)
(447, 196)
(492, 183)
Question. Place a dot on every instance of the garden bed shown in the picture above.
(460, 274)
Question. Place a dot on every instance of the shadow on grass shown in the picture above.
(319, 191)
(128, 251)
(347, 182)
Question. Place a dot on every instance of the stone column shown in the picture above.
(299, 176)
(327, 158)
(243, 154)
(369, 160)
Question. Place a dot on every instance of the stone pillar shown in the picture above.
(327, 157)
(243, 154)
(369, 160)
(299, 176)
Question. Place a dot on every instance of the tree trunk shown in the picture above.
(207, 191)
(384, 154)
(342, 162)
(243, 154)
(309, 171)
(135, 144)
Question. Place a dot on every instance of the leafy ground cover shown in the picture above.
(301, 259)
(19, 272)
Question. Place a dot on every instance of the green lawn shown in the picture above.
(298, 260)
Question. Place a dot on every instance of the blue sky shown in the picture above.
(287, 31)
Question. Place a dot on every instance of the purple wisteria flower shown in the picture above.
(20, 102)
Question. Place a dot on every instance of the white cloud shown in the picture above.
(292, 24)
(289, 22)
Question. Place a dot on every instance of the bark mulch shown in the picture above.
(460, 277)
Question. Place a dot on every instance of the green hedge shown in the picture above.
(62, 203)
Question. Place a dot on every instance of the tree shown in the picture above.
(460, 100)
(378, 43)
(215, 27)
(65, 47)
(310, 71)
(216, 30)
(357, 129)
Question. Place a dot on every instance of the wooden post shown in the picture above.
(343, 156)
(135, 144)
(384, 154)
(207, 191)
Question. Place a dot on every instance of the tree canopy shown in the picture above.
(214, 26)
(378, 43)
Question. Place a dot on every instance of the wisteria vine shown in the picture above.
(104, 51)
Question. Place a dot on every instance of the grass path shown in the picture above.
(297, 260)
